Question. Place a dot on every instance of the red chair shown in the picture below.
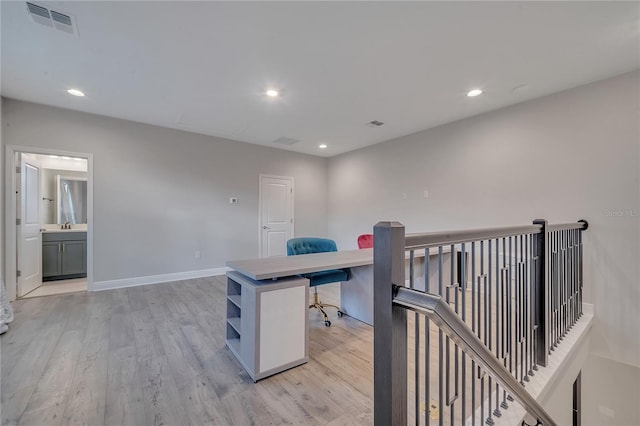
(365, 241)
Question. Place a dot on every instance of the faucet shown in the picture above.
(65, 225)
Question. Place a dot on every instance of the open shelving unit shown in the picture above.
(266, 323)
(234, 313)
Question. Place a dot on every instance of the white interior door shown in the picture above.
(276, 215)
(29, 237)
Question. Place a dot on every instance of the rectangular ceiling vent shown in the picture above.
(50, 18)
(39, 14)
(286, 141)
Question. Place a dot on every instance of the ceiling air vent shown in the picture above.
(62, 22)
(39, 14)
(375, 123)
(286, 141)
(50, 18)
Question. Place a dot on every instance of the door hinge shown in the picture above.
(18, 273)
(18, 222)
(18, 169)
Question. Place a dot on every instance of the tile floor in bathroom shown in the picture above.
(58, 287)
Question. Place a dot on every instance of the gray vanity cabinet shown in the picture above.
(64, 255)
(51, 254)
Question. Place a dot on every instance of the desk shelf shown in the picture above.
(266, 323)
(236, 300)
(234, 345)
(234, 310)
(235, 324)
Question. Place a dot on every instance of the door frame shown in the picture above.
(293, 194)
(10, 202)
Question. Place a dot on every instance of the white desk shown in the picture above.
(259, 287)
(286, 266)
(356, 295)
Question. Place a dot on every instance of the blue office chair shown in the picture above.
(307, 245)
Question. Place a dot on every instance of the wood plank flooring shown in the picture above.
(155, 355)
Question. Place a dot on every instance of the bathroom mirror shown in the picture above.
(71, 199)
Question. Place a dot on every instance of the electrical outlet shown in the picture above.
(197, 254)
(425, 194)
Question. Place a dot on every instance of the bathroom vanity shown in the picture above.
(64, 254)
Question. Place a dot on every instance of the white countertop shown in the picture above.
(51, 228)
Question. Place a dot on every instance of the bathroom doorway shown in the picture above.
(49, 213)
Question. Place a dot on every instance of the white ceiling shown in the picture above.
(61, 163)
(204, 66)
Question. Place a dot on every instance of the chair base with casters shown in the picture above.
(317, 304)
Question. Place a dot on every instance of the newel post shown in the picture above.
(390, 327)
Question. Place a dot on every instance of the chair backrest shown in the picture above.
(365, 241)
(306, 245)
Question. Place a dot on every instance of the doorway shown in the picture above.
(577, 400)
(49, 232)
(276, 224)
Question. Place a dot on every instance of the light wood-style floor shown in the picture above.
(155, 355)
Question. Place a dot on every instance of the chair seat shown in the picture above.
(326, 277)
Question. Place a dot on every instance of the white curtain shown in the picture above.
(6, 311)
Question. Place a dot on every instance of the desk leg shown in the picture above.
(356, 295)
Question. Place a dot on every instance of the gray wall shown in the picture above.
(162, 194)
(610, 393)
(2, 173)
(564, 157)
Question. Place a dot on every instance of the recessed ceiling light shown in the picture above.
(322, 146)
(474, 92)
(75, 92)
(272, 93)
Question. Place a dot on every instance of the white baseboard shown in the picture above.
(156, 279)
